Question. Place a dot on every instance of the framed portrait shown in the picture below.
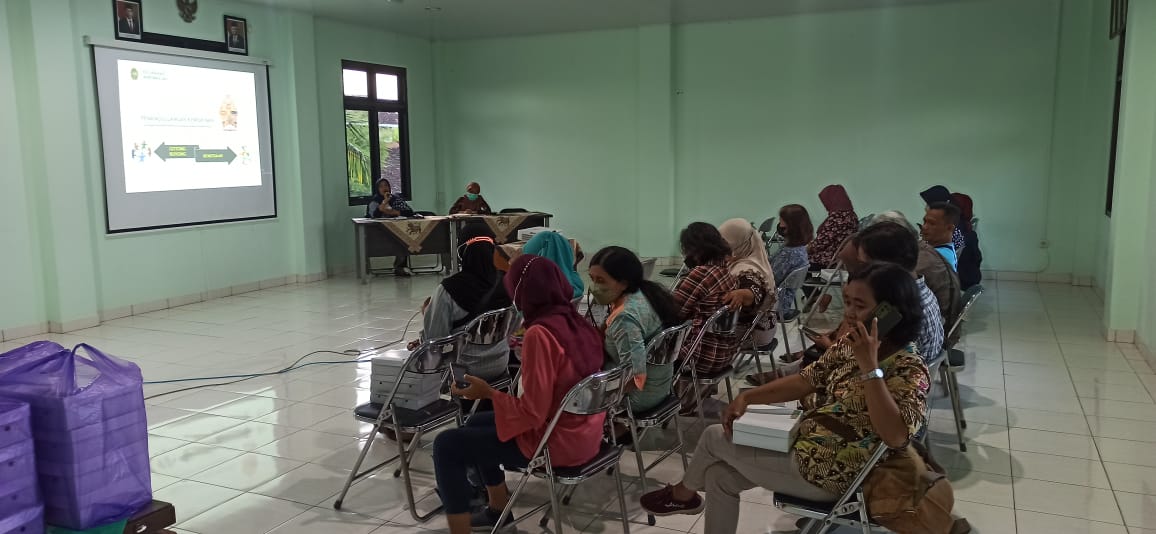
(236, 35)
(127, 19)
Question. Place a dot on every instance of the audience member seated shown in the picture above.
(701, 293)
(894, 243)
(462, 297)
(795, 227)
(471, 203)
(750, 266)
(556, 248)
(970, 257)
(385, 204)
(932, 266)
(560, 349)
(869, 383)
(639, 310)
(841, 223)
(936, 194)
(938, 227)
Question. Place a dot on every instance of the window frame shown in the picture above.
(373, 106)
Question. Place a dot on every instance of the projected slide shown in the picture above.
(186, 139)
(187, 127)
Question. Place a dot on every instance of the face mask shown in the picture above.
(603, 294)
(782, 230)
(472, 196)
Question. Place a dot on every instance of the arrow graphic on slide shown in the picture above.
(194, 152)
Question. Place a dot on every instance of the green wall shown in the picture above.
(766, 112)
(65, 270)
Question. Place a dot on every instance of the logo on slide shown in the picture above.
(135, 74)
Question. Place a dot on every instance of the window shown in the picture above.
(376, 129)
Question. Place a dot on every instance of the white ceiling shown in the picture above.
(465, 19)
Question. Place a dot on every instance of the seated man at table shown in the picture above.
(471, 203)
(385, 204)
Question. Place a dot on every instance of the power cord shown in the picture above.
(292, 367)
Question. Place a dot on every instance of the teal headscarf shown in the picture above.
(552, 246)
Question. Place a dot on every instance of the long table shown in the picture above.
(430, 235)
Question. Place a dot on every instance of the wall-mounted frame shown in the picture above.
(236, 35)
(126, 20)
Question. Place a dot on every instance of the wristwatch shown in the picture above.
(871, 375)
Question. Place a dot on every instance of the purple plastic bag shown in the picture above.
(27, 521)
(18, 487)
(90, 431)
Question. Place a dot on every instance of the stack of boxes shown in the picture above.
(416, 390)
(21, 511)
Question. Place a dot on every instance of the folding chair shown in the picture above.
(488, 329)
(438, 266)
(836, 279)
(723, 322)
(662, 350)
(595, 394)
(748, 352)
(433, 357)
(850, 510)
(955, 362)
(788, 312)
(678, 276)
(769, 231)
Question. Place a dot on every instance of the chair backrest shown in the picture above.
(969, 298)
(598, 393)
(708, 326)
(727, 324)
(750, 331)
(436, 355)
(795, 279)
(492, 327)
(426, 213)
(666, 346)
(648, 267)
(768, 226)
(514, 210)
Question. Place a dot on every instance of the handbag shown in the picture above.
(907, 491)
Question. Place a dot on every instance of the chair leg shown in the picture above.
(955, 388)
(510, 503)
(786, 341)
(759, 361)
(681, 443)
(558, 518)
(641, 461)
(622, 503)
(955, 405)
(405, 458)
(864, 518)
(730, 390)
(356, 466)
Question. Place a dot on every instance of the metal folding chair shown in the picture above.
(788, 312)
(662, 350)
(433, 357)
(748, 352)
(836, 280)
(488, 329)
(954, 362)
(849, 510)
(678, 277)
(723, 322)
(769, 231)
(598, 393)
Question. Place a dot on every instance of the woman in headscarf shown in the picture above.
(561, 348)
(472, 291)
(841, 223)
(556, 248)
(939, 193)
(970, 257)
(756, 292)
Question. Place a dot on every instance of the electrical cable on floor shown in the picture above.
(292, 367)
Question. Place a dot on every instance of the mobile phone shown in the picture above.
(888, 317)
(459, 373)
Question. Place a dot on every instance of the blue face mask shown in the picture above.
(472, 196)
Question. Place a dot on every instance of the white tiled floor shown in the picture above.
(1062, 433)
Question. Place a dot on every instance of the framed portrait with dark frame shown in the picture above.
(126, 19)
(236, 35)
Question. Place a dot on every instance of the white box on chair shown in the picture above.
(767, 426)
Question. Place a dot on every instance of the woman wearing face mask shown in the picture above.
(756, 292)
(561, 348)
(639, 309)
(795, 227)
(471, 203)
